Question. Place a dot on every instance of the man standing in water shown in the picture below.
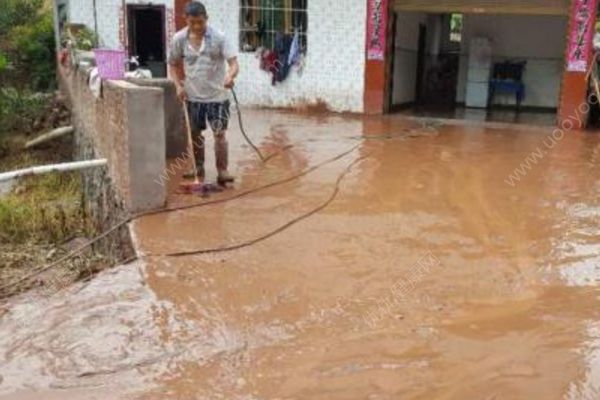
(203, 52)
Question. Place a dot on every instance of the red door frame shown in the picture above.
(573, 95)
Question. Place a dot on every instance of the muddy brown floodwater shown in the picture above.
(429, 277)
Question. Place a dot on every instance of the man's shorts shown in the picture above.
(217, 115)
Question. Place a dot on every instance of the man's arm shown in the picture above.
(232, 73)
(176, 75)
(175, 62)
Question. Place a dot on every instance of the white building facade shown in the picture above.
(333, 66)
(378, 56)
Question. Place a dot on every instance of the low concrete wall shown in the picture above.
(126, 125)
(174, 120)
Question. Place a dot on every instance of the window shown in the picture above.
(262, 20)
(456, 27)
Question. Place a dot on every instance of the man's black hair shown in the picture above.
(195, 9)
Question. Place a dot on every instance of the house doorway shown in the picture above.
(486, 67)
(426, 60)
(146, 26)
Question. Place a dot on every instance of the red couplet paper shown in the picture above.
(581, 36)
(377, 20)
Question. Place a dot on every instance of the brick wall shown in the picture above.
(127, 127)
(335, 63)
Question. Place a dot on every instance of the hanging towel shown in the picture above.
(95, 83)
(294, 50)
(283, 44)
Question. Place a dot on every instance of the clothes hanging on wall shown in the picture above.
(283, 45)
(268, 61)
(286, 53)
(294, 50)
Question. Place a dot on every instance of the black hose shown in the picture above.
(268, 235)
(128, 219)
(239, 113)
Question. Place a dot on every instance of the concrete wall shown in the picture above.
(405, 56)
(335, 63)
(538, 39)
(176, 143)
(127, 127)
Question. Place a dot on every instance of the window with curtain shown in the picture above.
(262, 20)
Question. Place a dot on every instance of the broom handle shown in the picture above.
(188, 127)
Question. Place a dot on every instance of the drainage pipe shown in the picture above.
(44, 169)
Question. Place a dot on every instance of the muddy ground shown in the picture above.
(432, 274)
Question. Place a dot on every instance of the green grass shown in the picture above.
(42, 209)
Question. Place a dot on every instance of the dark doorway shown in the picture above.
(422, 53)
(146, 26)
(442, 64)
(392, 64)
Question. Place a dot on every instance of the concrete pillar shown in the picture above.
(378, 55)
(146, 148)
(176, 140)
(574, 83)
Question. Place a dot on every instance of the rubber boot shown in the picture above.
(222, 160)
(198, 155)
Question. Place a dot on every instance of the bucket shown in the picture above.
(111, 63)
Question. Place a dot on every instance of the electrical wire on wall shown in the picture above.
(95, 20)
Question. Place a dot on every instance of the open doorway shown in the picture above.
(426, 60)
(146, 26)
(441, 67)
(461, 65)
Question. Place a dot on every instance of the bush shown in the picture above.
(49, 210)
(18, 13)
(27, 44)
(19, 110)
(27, 62)
(84, 39)
(3, 62)
(34, 47)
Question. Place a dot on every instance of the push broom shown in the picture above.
(196, 186)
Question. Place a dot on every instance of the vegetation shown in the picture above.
(27, 61)
(83, 39)
(19, 110)
(41, 217)
(32, 47)
(46, 209)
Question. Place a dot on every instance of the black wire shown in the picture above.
(214, 202)
(253, 190)
(274, 232)
(167, 210)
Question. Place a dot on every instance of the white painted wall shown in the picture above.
(405, 56)
(538, 39)
(108, 14)
(335, 62)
